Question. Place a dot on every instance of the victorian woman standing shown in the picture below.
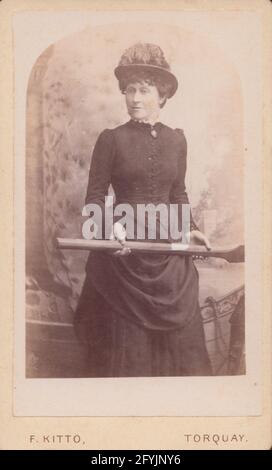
(139, 313)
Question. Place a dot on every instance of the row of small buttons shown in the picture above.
(152, 158)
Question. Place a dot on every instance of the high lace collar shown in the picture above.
(144, 124)
(152, 129)
(144, 121)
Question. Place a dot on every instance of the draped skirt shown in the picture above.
(117, 347)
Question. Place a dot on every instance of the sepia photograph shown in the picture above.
(138, 220)
(110, 121)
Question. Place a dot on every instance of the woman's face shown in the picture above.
(143, 101)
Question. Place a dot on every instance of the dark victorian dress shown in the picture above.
(139, 314)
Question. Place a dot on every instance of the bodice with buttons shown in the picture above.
(145, 164)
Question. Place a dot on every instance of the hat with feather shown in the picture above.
(145, 57)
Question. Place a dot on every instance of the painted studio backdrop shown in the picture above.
(72, 96)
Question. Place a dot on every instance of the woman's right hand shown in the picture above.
(119, 234)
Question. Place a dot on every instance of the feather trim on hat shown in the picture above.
(144, 53)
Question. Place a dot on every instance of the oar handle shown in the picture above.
(231, 254)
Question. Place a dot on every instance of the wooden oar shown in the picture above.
(231, 254)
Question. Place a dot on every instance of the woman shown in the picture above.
(139, 314)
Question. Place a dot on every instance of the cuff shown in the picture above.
(193, 225)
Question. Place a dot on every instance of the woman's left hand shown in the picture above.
(198, 238)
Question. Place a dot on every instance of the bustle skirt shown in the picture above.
(117, 347)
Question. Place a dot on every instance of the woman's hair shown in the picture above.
(149, 77)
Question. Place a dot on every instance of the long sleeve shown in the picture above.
(178, 194)
(100, 174)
